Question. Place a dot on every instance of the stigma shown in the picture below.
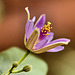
(46, 29)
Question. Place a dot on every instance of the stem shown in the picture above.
(25, 55)
(12, 68)
(4, 72)
(10, 71)
(17, 71)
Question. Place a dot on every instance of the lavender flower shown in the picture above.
(38, 37)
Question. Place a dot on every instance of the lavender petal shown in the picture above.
(64, 40)
(46, 40)
(29, 28)
(56, 49)
(40, 22)
(53, 44)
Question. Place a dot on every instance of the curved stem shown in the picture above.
(25, 55)
(17, 71)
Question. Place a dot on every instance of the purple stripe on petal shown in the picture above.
(40, 22)
(29, 28)
(50, 36)
(41, 37)
(46, 40)
(56, 49)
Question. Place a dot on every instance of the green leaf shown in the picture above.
(39, 67)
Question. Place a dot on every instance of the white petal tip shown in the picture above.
(26, 8)
(67, 41)
(27, 12)
(34, 19)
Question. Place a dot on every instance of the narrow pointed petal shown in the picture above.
(46, 40)
(40, 22)
(33, 19)
(56, 49)
(28, 13)
(32, 39)
(53, 44)
(64, 40)
(29, 28)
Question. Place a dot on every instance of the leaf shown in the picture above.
(39, 67)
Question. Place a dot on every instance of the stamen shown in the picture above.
(46, 29)
(51, 27)
(49, 23)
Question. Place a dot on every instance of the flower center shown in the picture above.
(46, 29)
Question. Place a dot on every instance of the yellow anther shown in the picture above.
(49, 30)
(48, 22)
(42, 30)
(43, 34)
(51, 27)
(46, 29)
(45, 25)
(48, 25)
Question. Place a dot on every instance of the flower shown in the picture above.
(38, 37)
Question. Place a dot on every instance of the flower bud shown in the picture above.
(15, 64)
(27, 68)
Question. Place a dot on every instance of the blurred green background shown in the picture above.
(61, 13)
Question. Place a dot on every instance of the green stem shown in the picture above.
(25, 55)
(10, 71)
(4, 72)
(17, 71)
(12, 68)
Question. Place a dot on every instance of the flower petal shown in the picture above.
(29, 28)
(64, 40)
(32, 39)
(46, 40)
(56, 49)
(50, 37)
(40, 22)
(53, 44)
(41, 44)
(28, 13)
(33, 19)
